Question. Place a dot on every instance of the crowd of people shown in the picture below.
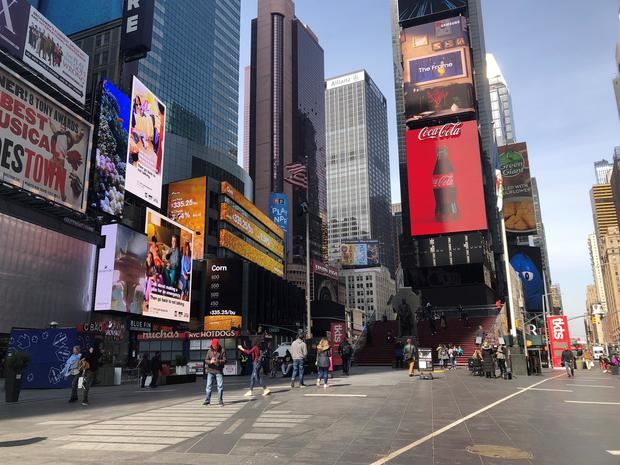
(487, 358)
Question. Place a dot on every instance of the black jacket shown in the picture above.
(155, 364)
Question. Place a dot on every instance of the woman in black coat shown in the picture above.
(488, 365)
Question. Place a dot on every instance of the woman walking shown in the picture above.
(323, 354)
(72, 368)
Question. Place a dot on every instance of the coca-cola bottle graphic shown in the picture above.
(444, 189)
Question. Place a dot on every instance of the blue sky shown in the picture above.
(558, 60)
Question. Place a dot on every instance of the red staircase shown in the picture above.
(456, 333)
(377, 352)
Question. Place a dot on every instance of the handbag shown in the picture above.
(81, 382)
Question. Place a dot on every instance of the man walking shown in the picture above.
(568, 359)
(255, 377)
(409, 352)
(155, 369)
(214, 368)
(299, 352)
(89, 364)
(345, 350)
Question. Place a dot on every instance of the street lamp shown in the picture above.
(306, 211)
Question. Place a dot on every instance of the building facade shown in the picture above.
(556, 299)
(597, 271)
(358, 165)
(602, 171)
(287, 121)
(369, 290)
(501, 104)
(540, 240)
(603, 209)
(593, 317)
(610, 262)
(616, 80)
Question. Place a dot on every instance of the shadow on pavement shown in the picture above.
(22, 442)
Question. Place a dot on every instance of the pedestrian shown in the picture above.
(488, 365)
(214, 368)
(501, 356)
(409, 353)
(144, 365)
(443, 321)
(431, 325)
(155, 369)
(89, 364)
(452, 356)
(323, 354)
(72, 369)
(299, 352)
(459, 351)
(587, 358)
(257, 362)
(480, 334)
(442, 354)
(389, 338)
(398, 354)
(568, 359)
(346, 351)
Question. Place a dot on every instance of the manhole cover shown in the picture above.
(499, 452)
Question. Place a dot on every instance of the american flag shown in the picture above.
(297, 175)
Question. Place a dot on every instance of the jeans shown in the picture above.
(170, 276)
(298, 367)
(323, 375)
(154, 376)
(256, 377)
(346, 364)
(89, 377)
(569, 368)
(502, 366)
(219, 377)
(74, 386)
(288, 370)
(453, 362)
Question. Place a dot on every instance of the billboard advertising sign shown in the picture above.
(249, 207)
(168, 268)
(45, 147)
(519, 212)
(224, 287)
(338, 333)
(137, 29)
(527, 262)
(445, 179)
(237, 245)
(559, 337)
(248, 227)
(145, 152)
(412, 9)
(108, 192)
(359, 253)
(120, 277)
(437, 72)
(278, 210)
(187, 206)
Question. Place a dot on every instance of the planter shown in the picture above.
(12, 386)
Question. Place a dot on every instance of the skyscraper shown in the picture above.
(287, 121)
(540, 240)
(597, 271)
(617, 78)
(358, 164)
(193, 67)
(246, 117)
(501, 104)
(602, 170)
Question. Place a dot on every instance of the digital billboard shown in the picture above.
(444, 177)
(45, 147)
(187, 206)
(412, 9)
(359, 254)
(237, 245)
(224, 276)
(168, 268)
(120, 275)
(437, 70)
(248, 227)
(108, 187)
(527, 262)
(519, 212)
(278, 210)
(145, 151)
(249, 207)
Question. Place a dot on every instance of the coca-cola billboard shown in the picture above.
(445, 179)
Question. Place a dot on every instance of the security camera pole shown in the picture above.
(298, 177)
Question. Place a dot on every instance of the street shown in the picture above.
(376, 416)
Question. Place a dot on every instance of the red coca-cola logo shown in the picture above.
(443, 180)
(440, 132)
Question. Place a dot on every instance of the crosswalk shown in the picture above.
(272, 423)
(153, 430)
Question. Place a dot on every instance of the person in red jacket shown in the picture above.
(256, 356)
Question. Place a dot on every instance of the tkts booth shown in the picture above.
(559, 338)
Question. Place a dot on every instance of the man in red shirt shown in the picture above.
(256, 356)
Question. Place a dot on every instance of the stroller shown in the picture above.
(475, 366)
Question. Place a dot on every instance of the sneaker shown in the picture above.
(302, 385)
(221, 404)
(325, 386)
(85, 404)
(318, 382)
(266, 392)
(206, 402)
(248, 394)
(292, 384)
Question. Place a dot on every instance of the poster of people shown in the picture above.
(121, 280)
(45, 147)
(108, 192)
(168, 268)
(56, 56)
(145, 152)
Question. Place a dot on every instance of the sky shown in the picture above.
(558, 59)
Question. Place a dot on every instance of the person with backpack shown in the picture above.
(346, 351)
(323, 356)
(409, 353)
(256, 356)
(72, 368)
(214, 368)
(568, 360)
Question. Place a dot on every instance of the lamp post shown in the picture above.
(305, 211)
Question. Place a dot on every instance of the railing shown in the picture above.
(472, 311)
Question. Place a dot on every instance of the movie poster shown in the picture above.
(168, 268)
(145, 153)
